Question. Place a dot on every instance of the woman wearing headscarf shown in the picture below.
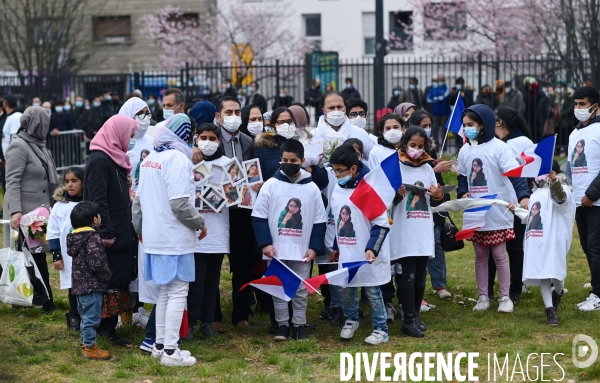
(405, 110)
(30, 180)
(137, 109)
(302, 121)
(106, 184)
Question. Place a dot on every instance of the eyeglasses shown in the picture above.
(339, 172)
(144, 116)
(356, 114)
(281, 122)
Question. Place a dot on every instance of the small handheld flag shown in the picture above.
(279, 281)
(454, 123)
(538, 160)
(377, 190)
(341, 277)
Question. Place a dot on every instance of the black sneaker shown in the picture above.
(49, 308)
(300, 333)
(337, 316)
(516, 298)
(282, 334)
(326, 313)
(556, 299)
(207, 330)
(273, 327)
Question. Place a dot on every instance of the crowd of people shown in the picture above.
(128, 229)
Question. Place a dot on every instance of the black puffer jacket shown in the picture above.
(90, 267)
(106, 184)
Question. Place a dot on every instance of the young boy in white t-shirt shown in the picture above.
(289, 222)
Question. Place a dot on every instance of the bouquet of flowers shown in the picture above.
(34, 225)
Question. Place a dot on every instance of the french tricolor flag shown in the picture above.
(538, 160)
(376, 191)
(454, 123)
(341, 277)
(474, 219)
(279, 281)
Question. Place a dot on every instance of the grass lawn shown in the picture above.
(38, 348)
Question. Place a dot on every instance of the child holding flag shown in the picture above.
(547, 243)
(358, 238)
(481, 164)
(291, 192)
(413, 219)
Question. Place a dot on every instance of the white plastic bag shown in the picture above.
(15, 284)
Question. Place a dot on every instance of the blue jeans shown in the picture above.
(336, 296)
(437, 265)
(89, 307)
(350, 305)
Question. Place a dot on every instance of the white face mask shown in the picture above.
(359, 122)
(336, 118)
(393, 136)
(255, 127)
(583, 114)
(286, 131)
(232, 123)
(143, 123)
(208, 148)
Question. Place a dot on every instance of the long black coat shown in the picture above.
(106, 184)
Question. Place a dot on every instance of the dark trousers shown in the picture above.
(218, 313)
(241, 261)
(151, 325)
(72, 305)
(325, 287)
(412, 283)
(202, 294)
(107, 327)
(42, 265)
(388, 290)
(515, 252)
(588, 226)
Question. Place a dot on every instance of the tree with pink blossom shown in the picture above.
(243, 34)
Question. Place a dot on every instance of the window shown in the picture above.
(112, 29)
(399, 39)
(368, 31)
(312, 25)
(446, 21)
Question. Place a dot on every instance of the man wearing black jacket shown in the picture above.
(312, 95)
(255, 98)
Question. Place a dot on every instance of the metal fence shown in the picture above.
(68, 149)
(295, 77)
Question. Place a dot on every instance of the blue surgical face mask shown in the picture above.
(168, 113)
(434, 84)
(67, 107)
(151, 101)
(250, 90)
(411, 86)
(471, 132)
(458, 87)
(396, 93)
(343, 181)
(58, 109)
(78, 104)
(348, 86)
(108, 98)
(206, 91)
(282, 95)
(97, 104)
(131, 144)
(428, 131)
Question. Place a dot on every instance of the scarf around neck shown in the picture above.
(174, 135)
(113, 139)
(331, 135)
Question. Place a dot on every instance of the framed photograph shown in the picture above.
(198, 198)
(217, 175)
(252, 170)
(213, 198)
(201, 173)
(234, 172)
(231, 193)
(248, 196)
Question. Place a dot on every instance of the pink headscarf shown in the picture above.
(299, 116)
(113, 139)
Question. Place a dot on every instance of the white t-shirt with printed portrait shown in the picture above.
(291, 211)
(584, 159)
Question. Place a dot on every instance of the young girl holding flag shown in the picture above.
(486, 151)
(413, 219)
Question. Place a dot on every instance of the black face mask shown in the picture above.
(290, 170)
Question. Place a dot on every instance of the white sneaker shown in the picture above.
(482, 304)
(177, 359)
(590, 304)
(349, 329)
(377, 337)
(587, 286)
(158, 353)
(443, 293)
(506, 305)
(141, 317)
